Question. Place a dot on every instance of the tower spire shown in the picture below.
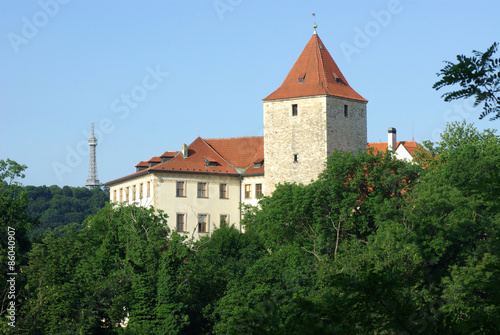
(92, 180)
(315, 25)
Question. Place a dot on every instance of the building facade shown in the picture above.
(199, 187)
(203, 185)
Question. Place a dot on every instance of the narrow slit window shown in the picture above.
(346, 110)
(295, 158)
(295, 110)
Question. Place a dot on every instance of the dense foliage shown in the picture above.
(374, 246)
(54, 206)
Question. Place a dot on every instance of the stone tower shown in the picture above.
(311, 114)
(92, 180)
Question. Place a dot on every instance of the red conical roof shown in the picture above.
(315, 73)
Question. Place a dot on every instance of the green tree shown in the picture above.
(478, 77)
(14, 243)
(90, 279)
(215, 262)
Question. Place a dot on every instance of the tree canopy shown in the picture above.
(374, 246)
(478, 77)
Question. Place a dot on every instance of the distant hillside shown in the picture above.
(54, 206)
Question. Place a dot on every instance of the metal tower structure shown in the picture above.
(92, 180)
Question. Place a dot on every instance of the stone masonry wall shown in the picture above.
(346, 132)
(318, 128)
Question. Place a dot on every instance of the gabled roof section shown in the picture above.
(238, 151)
(198, 152)
(410, 146)
(228, 156)
(219, 156)
(315, 73)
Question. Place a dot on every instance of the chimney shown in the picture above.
(184, 151)
(391, 139)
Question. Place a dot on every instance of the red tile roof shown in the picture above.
(315, 73)
(169, 154)
(142, 164)
(226, 156)
(239, 151)
(411, 146)
(154, 159)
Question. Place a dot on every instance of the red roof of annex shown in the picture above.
(230, 156)
(410, 146)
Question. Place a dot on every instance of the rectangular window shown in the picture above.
(295, 158)
(258, 190)
(223, 191)
(148, 189)
(114, 196)
(224, 219)
(346, 110)
(202, 190)
(248, 191)
(295, 110)
(181, 222)
(202, 223)
(180, 190)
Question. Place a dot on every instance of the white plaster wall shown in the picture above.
(191, 205)
(252, 181)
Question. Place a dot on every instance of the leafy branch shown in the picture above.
(479, 77)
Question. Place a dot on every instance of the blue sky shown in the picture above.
(153, 75)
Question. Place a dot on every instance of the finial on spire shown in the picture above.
(315, 25)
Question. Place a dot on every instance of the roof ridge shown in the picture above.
(231, 138)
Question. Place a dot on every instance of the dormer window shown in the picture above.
(257, 165)
(210, 163)
(302, 78)
(337, 79)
